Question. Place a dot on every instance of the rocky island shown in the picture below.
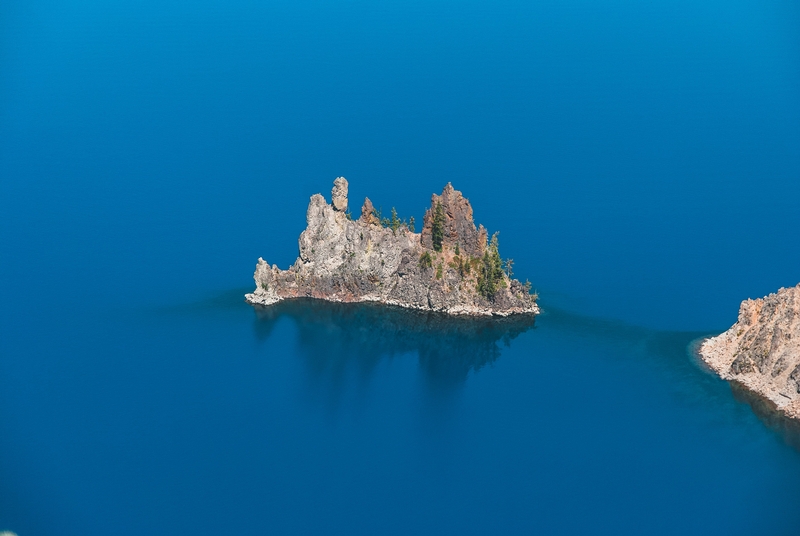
(451, 266)
(761, 351)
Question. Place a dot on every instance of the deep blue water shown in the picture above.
(641, 160)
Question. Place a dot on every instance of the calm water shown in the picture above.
(641, 161)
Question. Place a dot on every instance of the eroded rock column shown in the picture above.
(339, 194)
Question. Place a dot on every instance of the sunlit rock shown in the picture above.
(761, 351)
(379, 259)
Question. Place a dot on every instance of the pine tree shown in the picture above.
(490, 276)
(394, 222)
(437, 227)
(411, 224)
(508, 266)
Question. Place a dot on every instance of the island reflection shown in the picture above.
(333, 336)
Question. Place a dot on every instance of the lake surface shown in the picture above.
(640, 161)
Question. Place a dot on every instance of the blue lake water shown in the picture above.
(642, 162)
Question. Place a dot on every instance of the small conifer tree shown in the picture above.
(490, 275)
(508, 266)
(394, 222)
(437, 226)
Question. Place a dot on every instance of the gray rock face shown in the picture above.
(762, 349)
(339, 194)
(346, 260)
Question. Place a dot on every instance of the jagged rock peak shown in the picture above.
(458, 226)
(339, 194)
(368, 213)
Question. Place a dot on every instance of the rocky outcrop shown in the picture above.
(345, 260)
(458, 227)
(339, 194)
(368, 213)
(762, 349)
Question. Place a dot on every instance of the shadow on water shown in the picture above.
(768, 413)
(229, 300)
(677, 353)
(334, 336)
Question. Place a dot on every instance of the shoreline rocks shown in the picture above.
(761, 351)
(369, 260)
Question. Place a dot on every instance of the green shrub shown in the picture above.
(460, 265)
(425, 260)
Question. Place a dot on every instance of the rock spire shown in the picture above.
(458, 227)
(339, 194)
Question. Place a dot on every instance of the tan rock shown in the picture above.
(339, 194)
(761, 350)
(368, 213)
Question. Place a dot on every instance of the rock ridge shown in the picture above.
(373, 259)
(761, 351)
